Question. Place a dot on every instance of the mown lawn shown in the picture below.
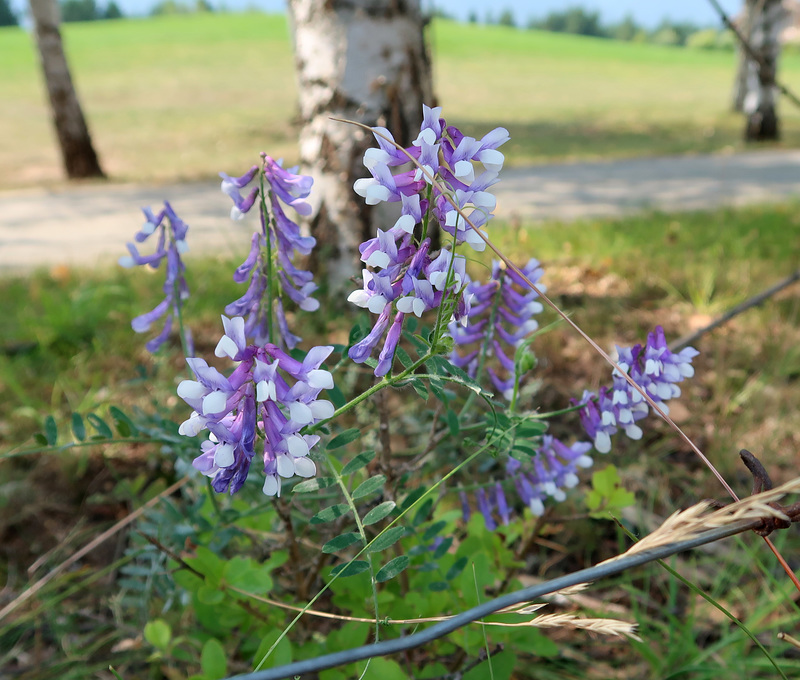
(185, 96)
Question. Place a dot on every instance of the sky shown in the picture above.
(647, 13)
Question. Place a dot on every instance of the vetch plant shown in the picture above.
(380, 517)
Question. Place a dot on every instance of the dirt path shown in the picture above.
(90, 225)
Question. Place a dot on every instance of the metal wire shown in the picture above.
(525, 595)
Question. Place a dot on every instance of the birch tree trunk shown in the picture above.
(751, 7)
(77, 152)
(362, 60)
(760, 100)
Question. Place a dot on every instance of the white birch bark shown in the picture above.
(361, 60)
(77, 152)
(760, 101)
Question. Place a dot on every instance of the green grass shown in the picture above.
(185, 96)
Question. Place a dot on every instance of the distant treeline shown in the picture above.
(90, 10)
(580, 21)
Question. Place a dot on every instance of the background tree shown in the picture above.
(77, 152)
(7, 15)
(79, 10)
(363, 60)
(766, 22)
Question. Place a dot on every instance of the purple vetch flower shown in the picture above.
(270, 396)
(400, 270)
(171, 244)
(272, 251)
(499, 319)
(552, 469)
(653, 367)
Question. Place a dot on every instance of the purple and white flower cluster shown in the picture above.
(499, 319)
(170, 246)
(655, 369)
(269, 394)
(273, 250)
(401, 275)
(552, 469)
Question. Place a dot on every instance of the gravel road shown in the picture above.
(89, 225)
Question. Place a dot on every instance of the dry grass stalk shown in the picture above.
(690, 523)
(613, 627)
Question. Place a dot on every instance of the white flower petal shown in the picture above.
(300, 413)
(304, 467)
(214, 402)
(320, 379)
(285, 466)
(226, 347)
(223, 456)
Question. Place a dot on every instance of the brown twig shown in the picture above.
(735, 311)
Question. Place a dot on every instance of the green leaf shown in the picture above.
(78, 428)
(387, 538)
(100, 425)
(330, 513)
(124, 425)
(413, 497)
(343, 438)
(314, 484)
(433, 530)
(456, 569)
(438, 586)
(248, 575)
(158, 633)
(419, 388)
(392, 568)
(452, 422)
(210, 595)
(402, 355)
(369, 486)
(40, 439)
(360, 461)
(341, 542)
(442, 548)
(213, 660)
(350, 569)
(378, 513)
(607, 496)
(502, 667)
(50, 431)
(282, 654)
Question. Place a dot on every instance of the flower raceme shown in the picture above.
(401, 275)
(653, 367)
(500, 317)
(270, 395)
(551, 470)
(272, 251)
(170, 246)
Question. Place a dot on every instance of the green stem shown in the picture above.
(267, 217)
(360, 526)
(385, 382)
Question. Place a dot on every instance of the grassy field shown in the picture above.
(187, 96)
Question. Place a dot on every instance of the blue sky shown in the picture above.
(646, 12)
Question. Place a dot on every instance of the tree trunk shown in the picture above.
(77, 152)
(362, 60)
(760, 100)
(751, 7)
